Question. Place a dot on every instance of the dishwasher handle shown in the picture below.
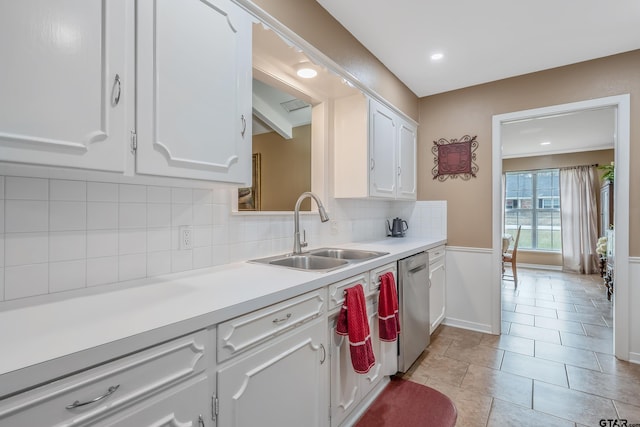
(418, 268)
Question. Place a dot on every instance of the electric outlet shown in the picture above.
(334, 227)
(186, 238)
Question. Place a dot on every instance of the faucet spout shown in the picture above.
(297, 243)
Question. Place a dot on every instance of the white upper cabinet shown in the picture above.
(66, 82)
(374, 151)
(194, 90)
(407, 176)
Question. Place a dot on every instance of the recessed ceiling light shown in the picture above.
(437, 56)
(545, 143)
(306, 71)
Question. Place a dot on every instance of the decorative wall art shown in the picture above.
(249, 197)
(455, 158)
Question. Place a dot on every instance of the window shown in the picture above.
(532, 200)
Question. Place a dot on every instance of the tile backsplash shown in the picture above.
(60, 235)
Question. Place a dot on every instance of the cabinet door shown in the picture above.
(284, 383)
(194, 90)
(436, 293)
(382, 151)
(407, 188)
(371, 378)
(345, 382)
(66, 82)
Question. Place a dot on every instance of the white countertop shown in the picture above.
(81, 329)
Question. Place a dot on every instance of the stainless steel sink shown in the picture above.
(353, 255)
(303, 261)
(320, 260)
(309, 262)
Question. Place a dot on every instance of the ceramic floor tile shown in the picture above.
(477, 354)
(582, 300)
(568, 355)
(611, 365)
(631, 413)
(622, 389)
(503, 385)
(461, 334)
(536, 368)
(518, 299)
(509, 343)
(542, 334)
(513, 317)
(473, 408)
(538, 311)
(555, 305)
(572, 405)
(590, 318)
(505, 414)
(603, 332)
(444, 368)
(600, 345)
(439, 344)
(561, 325)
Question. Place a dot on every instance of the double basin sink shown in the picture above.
(320, 260)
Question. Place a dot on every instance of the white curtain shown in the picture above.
(578, 212)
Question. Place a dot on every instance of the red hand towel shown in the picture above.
(388, 318)
(352, 321)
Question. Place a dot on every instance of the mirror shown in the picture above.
(289, 114)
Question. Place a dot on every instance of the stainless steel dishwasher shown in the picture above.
(413, 304)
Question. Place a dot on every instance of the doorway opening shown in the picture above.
(621, 104)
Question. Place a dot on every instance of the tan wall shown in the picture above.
(286, 164)
(314, 24)
(600, 157)
(470, 111)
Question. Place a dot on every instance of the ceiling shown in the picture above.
(484, 41)
(583, 130)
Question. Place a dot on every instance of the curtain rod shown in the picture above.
(595, 165)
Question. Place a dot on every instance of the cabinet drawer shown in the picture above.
(436, 254)
(186, 405)
(86, 397)
(241, 333)
(336, 290)
(374, 275)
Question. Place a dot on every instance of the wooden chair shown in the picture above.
(510, 257)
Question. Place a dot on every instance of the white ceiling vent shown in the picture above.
(294, 104)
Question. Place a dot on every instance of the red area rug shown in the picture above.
(407, 404)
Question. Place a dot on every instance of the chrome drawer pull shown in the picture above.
(284, 319)
(109, 392)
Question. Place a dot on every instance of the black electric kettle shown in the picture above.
(398, 228)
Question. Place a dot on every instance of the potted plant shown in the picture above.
(608, 172)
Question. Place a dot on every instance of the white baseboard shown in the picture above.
(634, 358)
(541, 266)
(463, 324)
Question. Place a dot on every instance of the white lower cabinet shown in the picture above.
(349, 389)
(166, 385)
(437, 291)
(281, 383)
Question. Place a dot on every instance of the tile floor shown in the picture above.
(552, 365)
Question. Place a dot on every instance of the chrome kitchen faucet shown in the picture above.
(297, 244)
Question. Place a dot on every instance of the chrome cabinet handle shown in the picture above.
(244, 125)
(117, 86)
(324, 354)
(373, 163)
(200, 421)
(109, 392)
(281, 320)
(399, 171)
